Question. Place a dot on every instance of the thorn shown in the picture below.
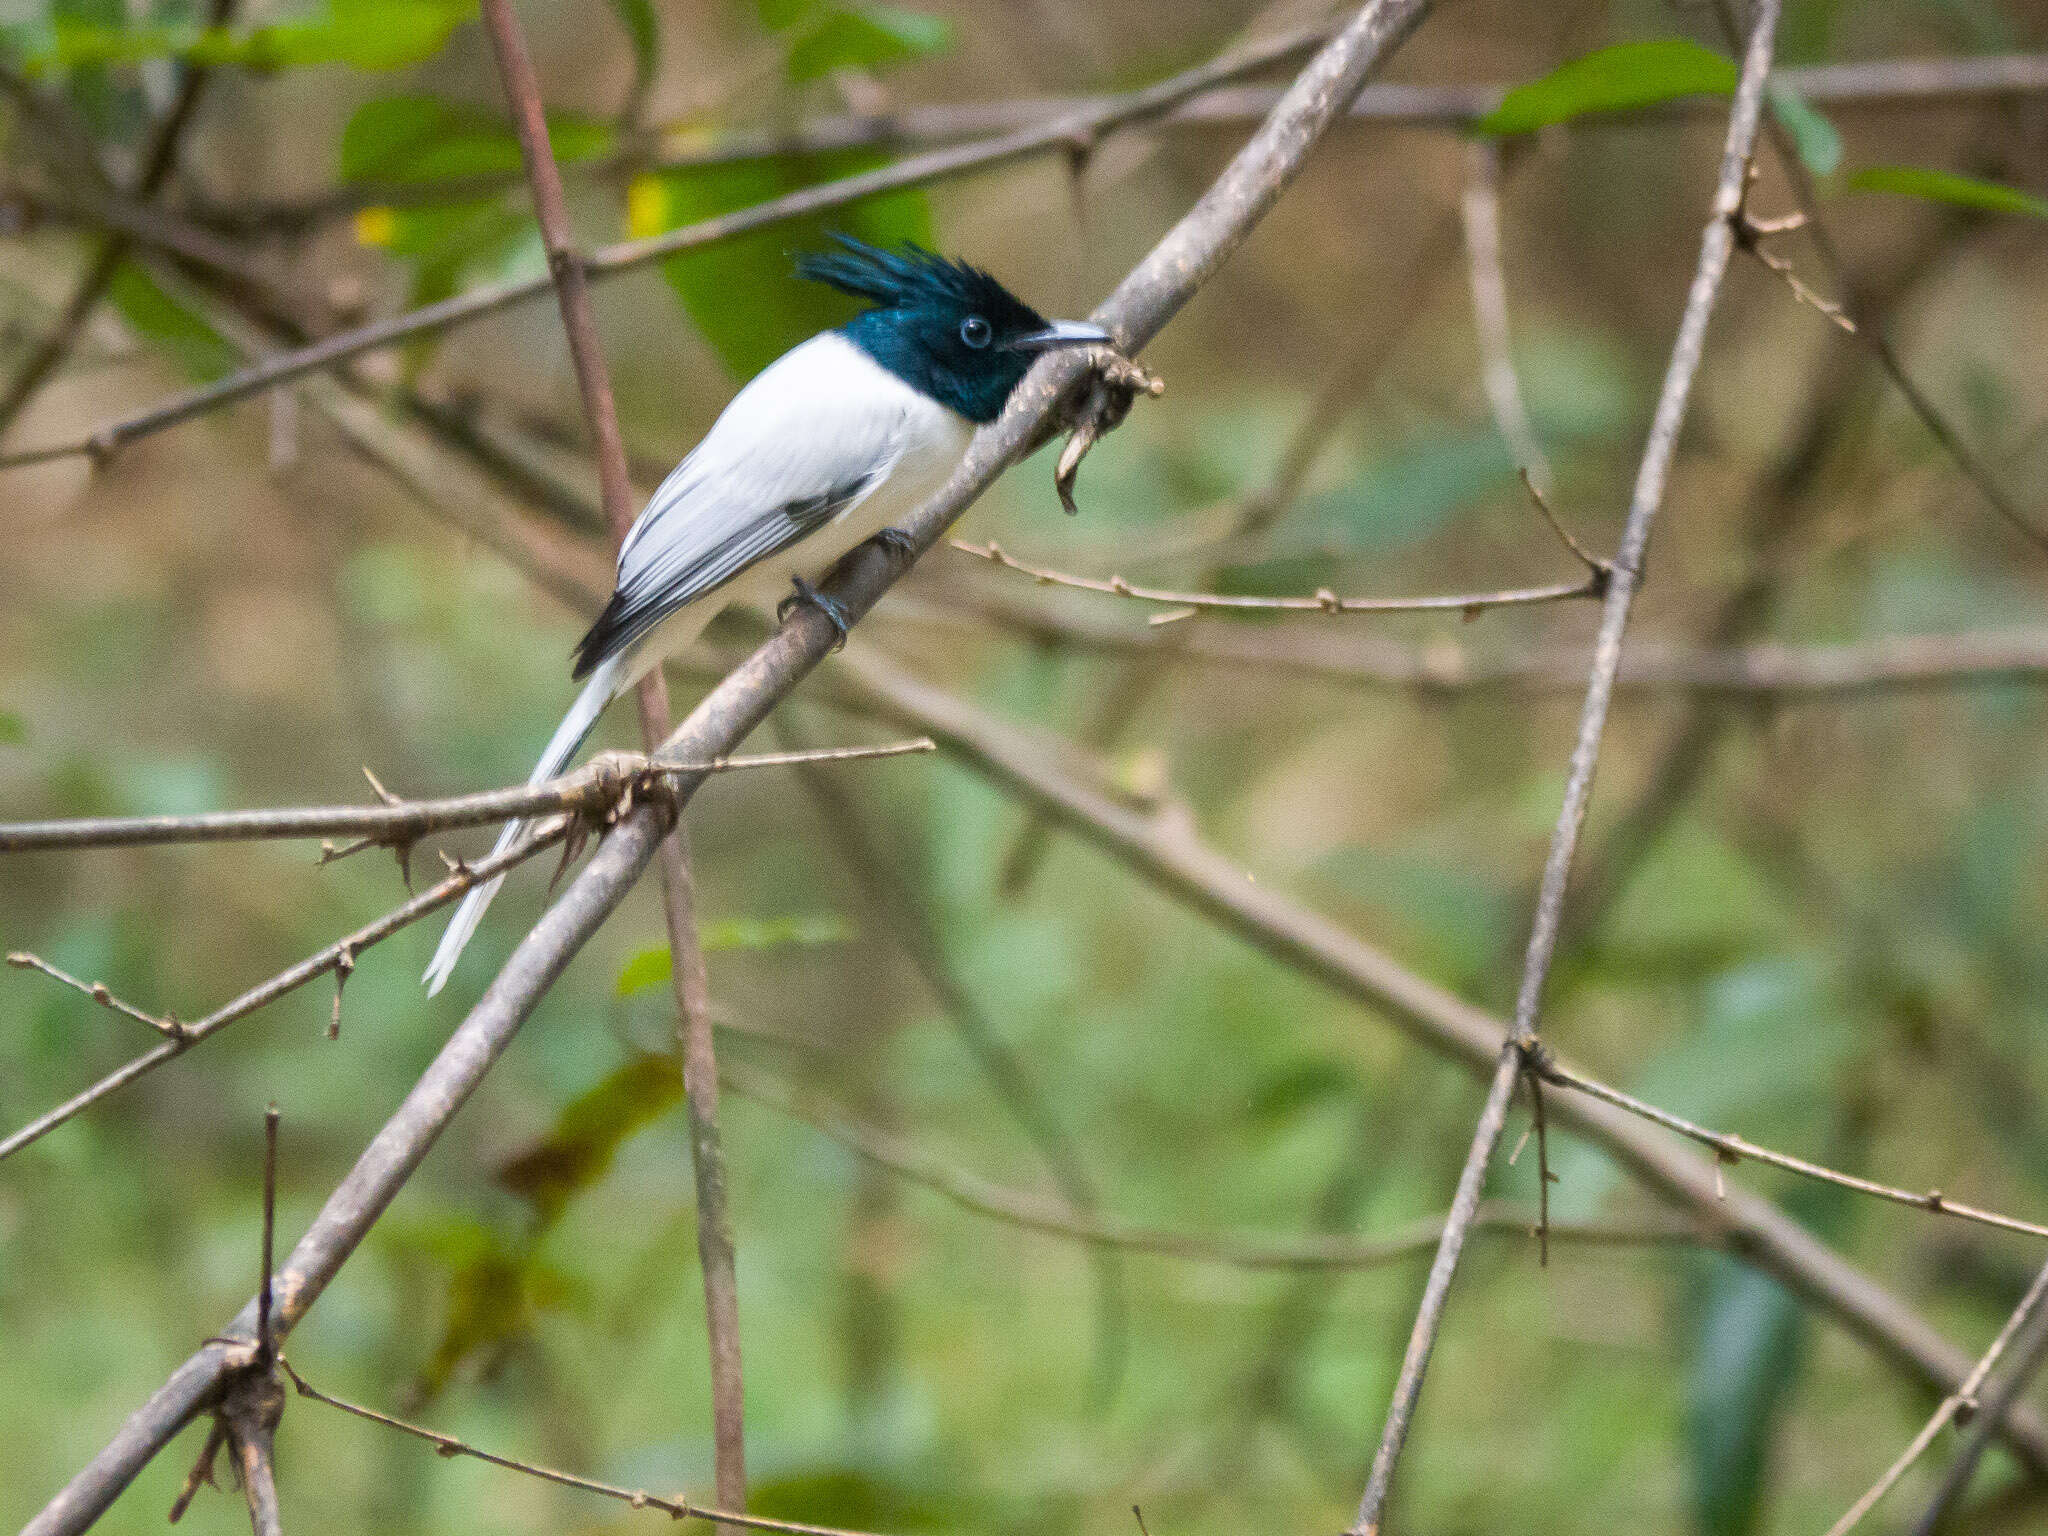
(382, 793)
(344, 967)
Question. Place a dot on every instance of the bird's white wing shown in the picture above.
(807, 440)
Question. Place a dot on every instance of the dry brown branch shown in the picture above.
(1733, 1149)
(99, 992)
(1960, 1403)
(688, 979)
(1149, 296)
(1658, 452)
(1445, 668)
(1877, 84)
(596, 790)
(2027, 1358)
(338, 957)
(1240, 1251)
(1593, 585)
(1480, 208)
(676, 1508)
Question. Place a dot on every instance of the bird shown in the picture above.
(823, 450)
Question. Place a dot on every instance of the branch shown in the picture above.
(1480, 206)
(1016, 1209)
(339, 957)
(1960, 1403)
(1161, 851)
(1996, 1407)
(1733, 1149)
(1715, 248)
(1881, 84)
(1082, 128)
(676, 1508)
(688, 979)
(1143, 303)
(596, 790)
(1594, 585)
(1767, 670)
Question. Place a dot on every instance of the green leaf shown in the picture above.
(587, 1134)
(169, 326)
(643, 32)
(1748, 1345)
(362, 34)
(1948, 187)
(652, 968)
(864, 37)
(13, 729)
(1815, 138)
(425, 139)
(1621, 78)
(740, 293)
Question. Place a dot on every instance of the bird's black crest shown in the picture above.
(909, 277)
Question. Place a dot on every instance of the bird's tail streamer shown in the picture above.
(569, 735)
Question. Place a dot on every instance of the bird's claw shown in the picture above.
(808, 596)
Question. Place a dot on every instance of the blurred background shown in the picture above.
(1816, 921)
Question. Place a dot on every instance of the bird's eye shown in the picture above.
(975, 331)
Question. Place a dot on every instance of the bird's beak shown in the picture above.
(1061, 333)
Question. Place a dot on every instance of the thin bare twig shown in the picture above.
(1516, 1056)
(1246, 1251)
(1320, 602)
(1960, 1403)
(676, 1508)
(597, 788)
(1733, 1149)
(99, 992)
(678, 885)
(1480, 207)
(1877, 84)
(2033, 1348)
(335, 957)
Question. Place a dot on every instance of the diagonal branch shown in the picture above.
(1715, 248)
(1143, 303)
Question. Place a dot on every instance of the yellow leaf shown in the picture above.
(376, 226)
(646, 207)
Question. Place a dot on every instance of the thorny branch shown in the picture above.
(598, 791)
(1959, 1405)
(1143, 303)
(1516, 1056)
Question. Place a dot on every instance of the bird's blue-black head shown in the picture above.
(948, 330)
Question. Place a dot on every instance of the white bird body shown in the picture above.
(822, 450)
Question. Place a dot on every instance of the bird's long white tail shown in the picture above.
(569, 735)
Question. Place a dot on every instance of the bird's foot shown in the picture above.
(898, 543)
(808, 596)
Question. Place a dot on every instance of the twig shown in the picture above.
(1261, 1252)
(1878, 84)
(1765, 671)
(1960, 1403)
(678, 884)
(98, 991)
(1480, 206)
(159, 156)
(2032, 1349)
(1515, 1056)
(1085, 126)
(334, 957)
(676, 1508)
(1319, 602)
(598, 788)
(1733, 1149)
